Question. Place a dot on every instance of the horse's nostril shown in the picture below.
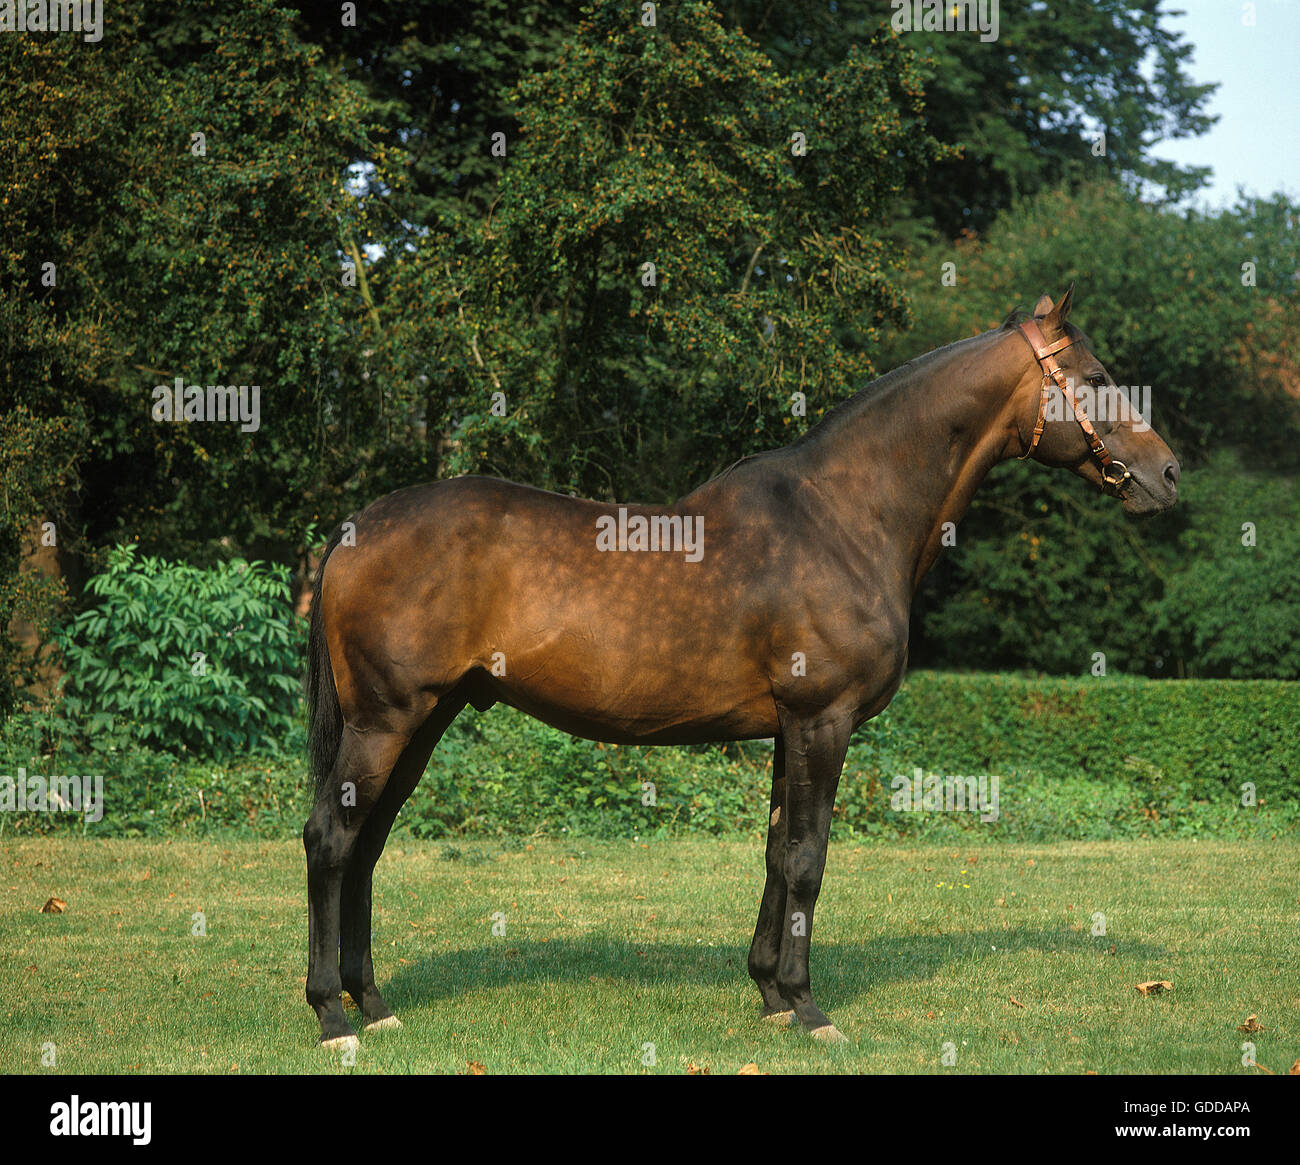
(1171, 474)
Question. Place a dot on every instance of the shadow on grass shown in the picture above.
(840, 971)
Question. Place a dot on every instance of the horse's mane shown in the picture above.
(844, 409)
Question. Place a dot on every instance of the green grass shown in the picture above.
(613, 945)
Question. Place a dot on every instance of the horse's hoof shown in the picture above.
(380, 1024)
(829, 1034)
(341, 1044)
(779, 1018)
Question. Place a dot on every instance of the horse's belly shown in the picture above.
(645, 712)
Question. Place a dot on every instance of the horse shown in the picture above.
(770, 603)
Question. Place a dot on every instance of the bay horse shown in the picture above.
(785, 617)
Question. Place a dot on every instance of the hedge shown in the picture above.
(1073, 758)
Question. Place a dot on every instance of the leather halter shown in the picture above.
(1045, 354)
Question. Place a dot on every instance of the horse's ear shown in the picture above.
(1067, 301)
(1052, 314)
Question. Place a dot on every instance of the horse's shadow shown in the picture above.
(842, 972)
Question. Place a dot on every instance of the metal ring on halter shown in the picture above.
(1116, 483)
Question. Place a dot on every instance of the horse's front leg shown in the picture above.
(815, 747)
(765, 950)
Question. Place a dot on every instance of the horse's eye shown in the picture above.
(1098, 380)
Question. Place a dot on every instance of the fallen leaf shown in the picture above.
(750, 1070)
(693, 1069)
(1015, 1001)
(1250, 1026)
(54, 906)
(476, 1069)
(1154, 987)
(1295, 1069)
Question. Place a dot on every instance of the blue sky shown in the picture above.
(1256, 142)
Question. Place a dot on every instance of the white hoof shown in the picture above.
(829, 1034)
(779, 1018)
(380, 1024)
(341, 1044)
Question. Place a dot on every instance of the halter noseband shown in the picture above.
(1045, 354)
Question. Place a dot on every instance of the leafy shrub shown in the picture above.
(1233, 607)
(202, 660)
(502, 772)
(1096, 759)
(150, 793)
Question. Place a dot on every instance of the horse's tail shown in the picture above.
(325, 717)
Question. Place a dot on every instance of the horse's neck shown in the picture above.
(903, 462)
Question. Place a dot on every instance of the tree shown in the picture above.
(683, 239)
(135, 252)
(1200, 308)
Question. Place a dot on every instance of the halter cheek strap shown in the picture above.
(1114, 473)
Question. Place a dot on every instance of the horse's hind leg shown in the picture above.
(814, 756)
(765, 950)
(356, 967)
(355, 785)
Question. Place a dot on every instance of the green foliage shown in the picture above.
(1162, 295)
(672, 147)
(1025, 109)
(199, 660)
(1044, 572)
(1021, 109)
(776, 274)
(1234, 609)
(502, 772)
(220, 266)
(1087, 759)
(36, 459)
(151, 793)
(1091, 758)
(1201, 738)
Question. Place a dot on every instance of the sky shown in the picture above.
(1256, 142)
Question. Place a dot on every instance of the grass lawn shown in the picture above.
(612, 946)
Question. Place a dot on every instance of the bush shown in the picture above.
(207, 661)
(1102, 758)
(502, 772)
(1075, 758)
(150, 793)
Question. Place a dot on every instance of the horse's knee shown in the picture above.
(804, 864)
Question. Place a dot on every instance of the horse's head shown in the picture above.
(1072, 415)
